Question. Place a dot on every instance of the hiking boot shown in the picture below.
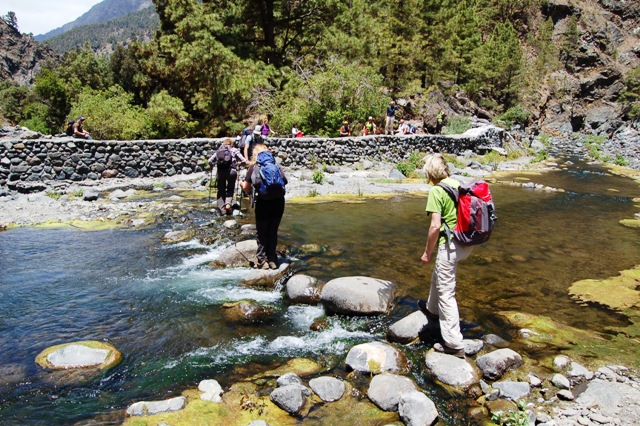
(441, 347)
(261, 265)
(273, 265)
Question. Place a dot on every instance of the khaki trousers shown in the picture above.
(442, 294)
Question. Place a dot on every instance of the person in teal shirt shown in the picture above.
(441, 306)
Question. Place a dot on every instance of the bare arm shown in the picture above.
(432, 236)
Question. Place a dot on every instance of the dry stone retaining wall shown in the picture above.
(76, 159)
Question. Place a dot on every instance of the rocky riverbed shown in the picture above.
(564, 393)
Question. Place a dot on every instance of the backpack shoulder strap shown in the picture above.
(453, 193)
(454, 196)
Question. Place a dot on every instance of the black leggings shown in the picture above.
(226, 185)
(268, 216)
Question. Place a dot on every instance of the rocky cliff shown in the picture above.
(584, 95)
(21, 57)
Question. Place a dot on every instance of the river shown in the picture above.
(160, 304)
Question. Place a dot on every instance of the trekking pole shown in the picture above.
(251, 263)
(210, 184)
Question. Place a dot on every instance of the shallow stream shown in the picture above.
(160, 305)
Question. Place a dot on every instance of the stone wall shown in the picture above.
(75, 159)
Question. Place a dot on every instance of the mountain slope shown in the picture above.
(103, 37)
(101, 12)
(20, 56)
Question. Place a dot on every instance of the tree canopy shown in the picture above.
(212, 64)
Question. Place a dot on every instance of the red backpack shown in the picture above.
(476, 212)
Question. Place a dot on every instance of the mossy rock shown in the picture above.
(547, 331)
(619, 293)
(303, 367)
(631, 223)
(111, 358)
(245, 402)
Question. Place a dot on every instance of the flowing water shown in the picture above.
(160, 305)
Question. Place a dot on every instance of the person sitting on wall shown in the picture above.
(78, 131)
(369, 127)
(403, 128)
(345, 130)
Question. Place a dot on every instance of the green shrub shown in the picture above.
(457, 125)
(168, 118)
(453, 159)
(541, 155)
(111, 115)
(620, 160)
(413, 162)
(514, 115)
(318, 177)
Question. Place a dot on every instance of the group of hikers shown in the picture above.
(265, 181)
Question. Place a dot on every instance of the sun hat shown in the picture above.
(257, 129)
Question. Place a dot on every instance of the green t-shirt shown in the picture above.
(440, 202)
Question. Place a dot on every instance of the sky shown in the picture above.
(41, 16)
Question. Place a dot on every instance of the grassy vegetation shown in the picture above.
(318, 177)
(457, 125)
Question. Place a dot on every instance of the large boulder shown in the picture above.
(496, 363)
(375, 358)
(451, 370)
(357, 296)
(385, 390)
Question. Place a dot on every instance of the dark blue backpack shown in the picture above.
(267, 178)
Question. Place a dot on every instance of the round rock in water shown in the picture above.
(451, 370)
(376, 357)
(86, 354)
(357, 296)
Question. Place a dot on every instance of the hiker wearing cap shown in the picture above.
(441, 308)
(226, 159)
(369, 127)
(252, 140)
(345, 130)
(266, 181)
(391, 116)
(78, 131)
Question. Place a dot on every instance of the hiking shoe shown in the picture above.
(273, 265)
(440, 347)
(261, 265)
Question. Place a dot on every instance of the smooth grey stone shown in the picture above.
(451, 370)
(385, 390)
(416, 409)
(560, 381)
(149, 408)
(290, 398)
(376, 357)
(513, 390)
(494, 364)
(329, 389)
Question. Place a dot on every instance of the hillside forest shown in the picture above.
(214, 65)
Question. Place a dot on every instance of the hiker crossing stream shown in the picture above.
(162, 305)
